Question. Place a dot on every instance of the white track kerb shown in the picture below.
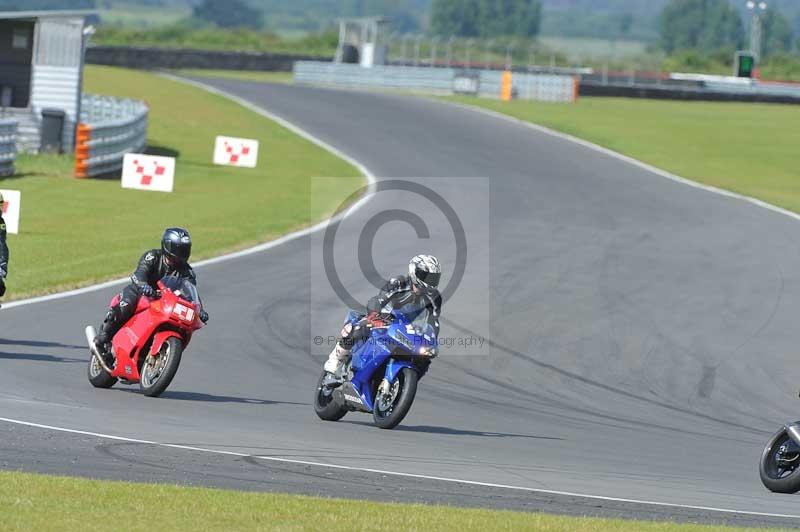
(371, 180)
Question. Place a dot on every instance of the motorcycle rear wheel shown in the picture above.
(327, 407)
(393, 414)
(98, 377)
(779, 478)
(156, 375)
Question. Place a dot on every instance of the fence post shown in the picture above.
(82, 138)
(450, 51)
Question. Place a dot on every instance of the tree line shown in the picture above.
(703, 25)
(714, 25)
(486, 18)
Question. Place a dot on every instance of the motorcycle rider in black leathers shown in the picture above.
(3, 250)
(171, 260)
(419, 288)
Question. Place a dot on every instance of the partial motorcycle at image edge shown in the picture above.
(148, 348)
(383, 371)
(780, 461)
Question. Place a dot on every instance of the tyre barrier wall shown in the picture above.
(8, 147)
(700, 93)
(151, 58)
(109, 128)
(489, 83)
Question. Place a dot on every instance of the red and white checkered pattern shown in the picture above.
(11, 210)
(148, 172)
(231, 151)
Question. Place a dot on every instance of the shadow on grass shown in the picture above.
(162, 151)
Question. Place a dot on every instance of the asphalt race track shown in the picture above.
(642, 340)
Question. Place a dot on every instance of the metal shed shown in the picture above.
(41, 67)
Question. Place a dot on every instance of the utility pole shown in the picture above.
(757, 10)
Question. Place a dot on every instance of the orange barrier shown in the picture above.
(576, 88)
(506, 86)
(82, 137)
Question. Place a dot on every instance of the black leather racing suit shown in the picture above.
(396, 293)
(151, 268)
(3, 256)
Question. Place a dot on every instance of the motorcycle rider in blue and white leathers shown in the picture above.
(418, 288)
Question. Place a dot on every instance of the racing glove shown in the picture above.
(204, 316)
(148, 290)
(375, 319)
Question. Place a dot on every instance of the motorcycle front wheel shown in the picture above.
(780, 464)
(327, 407)
(389, 410)
(157, 372)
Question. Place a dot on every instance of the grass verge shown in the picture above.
(37, 502)
(77, 232)
(746, 148)
(241, 75)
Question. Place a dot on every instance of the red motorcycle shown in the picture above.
(148, 348)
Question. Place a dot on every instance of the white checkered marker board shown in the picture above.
(231, 151)
(11, 209)
(148, 172)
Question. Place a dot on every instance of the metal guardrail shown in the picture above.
(8, 146)
(109, 128)
(488, 83)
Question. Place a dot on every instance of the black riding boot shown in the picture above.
(108, 329)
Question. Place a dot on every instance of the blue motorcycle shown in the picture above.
(382, 374)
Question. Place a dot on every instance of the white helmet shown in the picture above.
(425, 271)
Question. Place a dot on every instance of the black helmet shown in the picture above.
(177, 246)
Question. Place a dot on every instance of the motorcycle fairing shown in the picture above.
(369, 356)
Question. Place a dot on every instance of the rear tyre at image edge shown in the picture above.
(768, 469)
(327, 407)
(98, 377)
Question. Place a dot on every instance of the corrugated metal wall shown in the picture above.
(56, 77)
(57, 88)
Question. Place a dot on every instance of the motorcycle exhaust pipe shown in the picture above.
(91, 333)
(793, 430)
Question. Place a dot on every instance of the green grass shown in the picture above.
(747, 148)
(42, 503)
(142, 16)
(244, 75)
(182, 35)
(586, 48)
(80, 231)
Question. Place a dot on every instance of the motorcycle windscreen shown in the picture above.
(418, 315)
(182, 288)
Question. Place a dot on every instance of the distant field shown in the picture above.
(577, 48)
(135, 16)
(224, 208)
(747, 148)
(41, 503)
